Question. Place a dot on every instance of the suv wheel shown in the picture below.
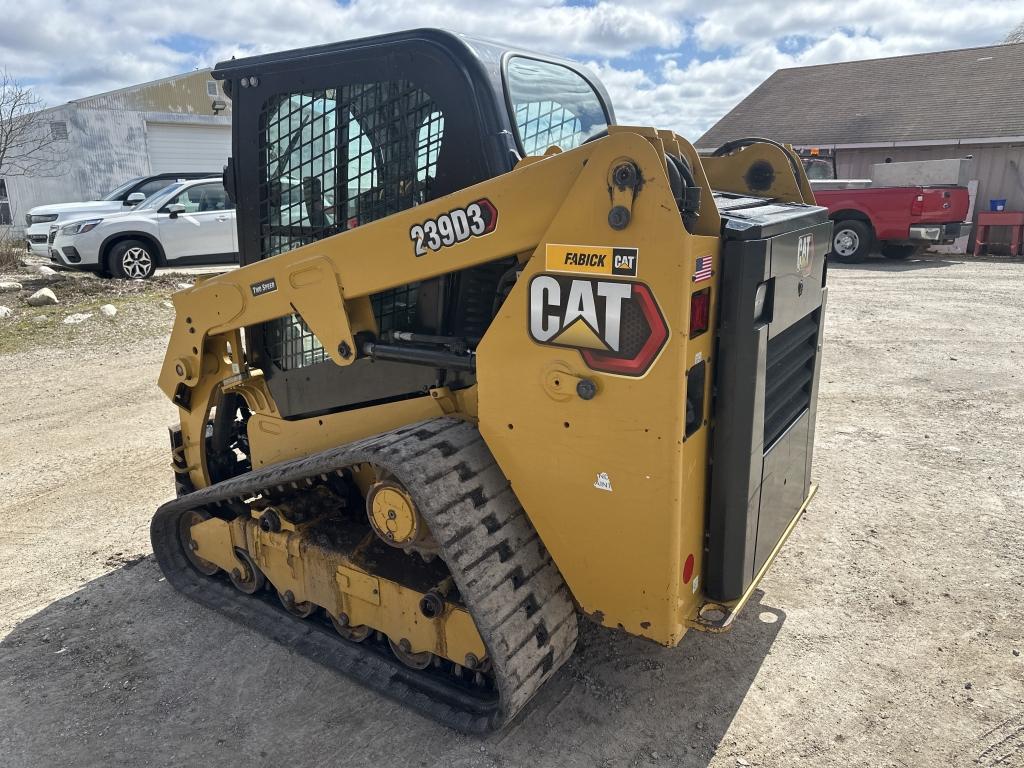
(132, 260)
(851, 241)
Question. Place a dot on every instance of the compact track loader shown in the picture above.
(491, 364)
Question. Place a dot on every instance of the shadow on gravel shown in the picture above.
(127, 672)
(894, 265)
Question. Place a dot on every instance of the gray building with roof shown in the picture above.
(176, 124)
(926, 106)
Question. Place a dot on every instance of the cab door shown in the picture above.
(204, 232)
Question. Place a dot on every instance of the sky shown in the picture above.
(676, 64)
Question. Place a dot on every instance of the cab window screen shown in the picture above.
(335, 159)
(552, 105)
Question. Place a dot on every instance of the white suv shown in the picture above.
(188, 223)
(132, 192)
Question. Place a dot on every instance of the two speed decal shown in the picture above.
(457, 226)
(263, 286)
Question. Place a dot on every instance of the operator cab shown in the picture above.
(334, 137)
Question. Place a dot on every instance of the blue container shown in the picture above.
(997, 205)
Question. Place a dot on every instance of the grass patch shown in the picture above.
(10, 256)
(140, 316)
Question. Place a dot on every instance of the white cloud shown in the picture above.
(749, 41)
(698, 59)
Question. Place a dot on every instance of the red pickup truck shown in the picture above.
(899, 220)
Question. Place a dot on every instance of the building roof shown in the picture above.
(170, 79)
(973, 93)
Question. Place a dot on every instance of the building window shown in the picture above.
(211, 88)
(59, 130)
(5, 205)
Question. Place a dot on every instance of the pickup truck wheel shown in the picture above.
(900, 251)
(132, 260)
(851, 241)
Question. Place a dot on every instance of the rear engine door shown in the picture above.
(772, 305)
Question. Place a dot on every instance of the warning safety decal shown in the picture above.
(616, 325)
(592, 259)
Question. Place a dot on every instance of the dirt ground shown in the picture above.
(888, 633)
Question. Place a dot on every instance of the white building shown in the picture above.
(180, 123)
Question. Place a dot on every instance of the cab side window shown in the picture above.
(552, 105)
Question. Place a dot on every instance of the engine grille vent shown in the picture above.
(789, 376)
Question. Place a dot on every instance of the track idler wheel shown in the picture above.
(185, 523)
(247, 577)
(394, 518)
(302, 610)
(403, 652)
(354, 634)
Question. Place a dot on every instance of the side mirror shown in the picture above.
(134, 198)
(175, 209)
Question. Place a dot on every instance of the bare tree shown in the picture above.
(28, 146)
(1017, 35)
(12, 247)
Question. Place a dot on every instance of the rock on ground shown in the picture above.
(46, 271)
(6, 312)
(108, 310)
(9, 285)
(78, 317)
(42, 298)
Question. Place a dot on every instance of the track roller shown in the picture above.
(302, 610)
(185, 523)
(354, 634)
(247, 577)
(403, 652)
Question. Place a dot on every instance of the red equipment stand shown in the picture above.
(1012, 219)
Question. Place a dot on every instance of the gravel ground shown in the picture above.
(887, 634)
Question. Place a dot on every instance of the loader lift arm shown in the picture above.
(328, 283)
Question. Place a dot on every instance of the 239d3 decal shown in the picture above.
(616, 325)
(456, 226)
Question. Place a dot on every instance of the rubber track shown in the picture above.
(510, 586)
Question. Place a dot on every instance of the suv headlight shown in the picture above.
(80, 227)
(40, 218)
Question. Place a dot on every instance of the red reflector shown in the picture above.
(688, 570)
(700, 311)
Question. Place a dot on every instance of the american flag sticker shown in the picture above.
(702, 269)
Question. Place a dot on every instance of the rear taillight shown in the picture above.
(917, 207)
(700, 311)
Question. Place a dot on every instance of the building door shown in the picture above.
(177, 148)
